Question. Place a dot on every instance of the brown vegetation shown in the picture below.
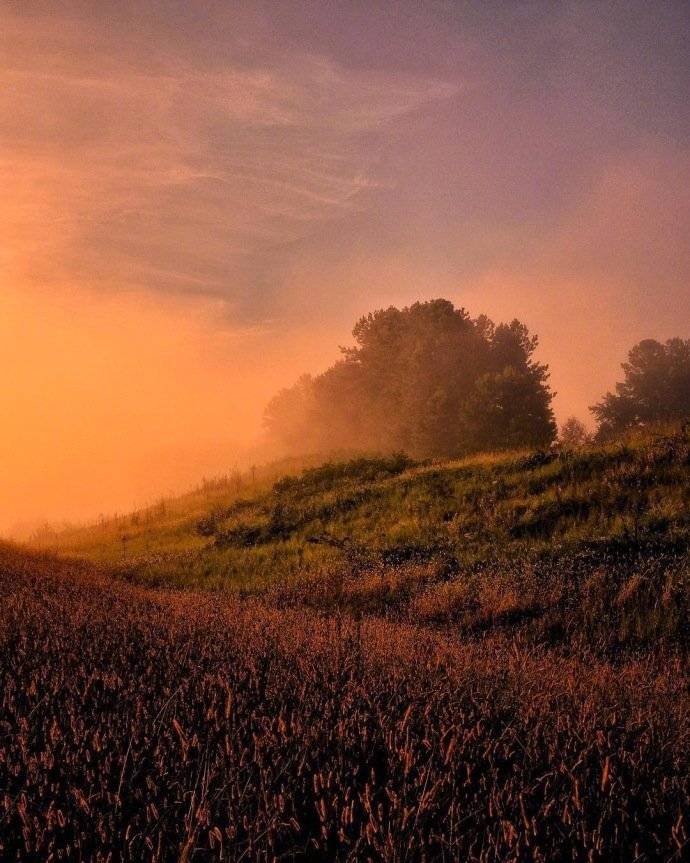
(145, 725)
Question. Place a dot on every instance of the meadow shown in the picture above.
(373, 659)
(138, 724)
(588, 542)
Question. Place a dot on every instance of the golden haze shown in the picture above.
(109, 401)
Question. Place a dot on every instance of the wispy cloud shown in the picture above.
(182, 181)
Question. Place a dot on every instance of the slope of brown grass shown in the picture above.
(138, 725)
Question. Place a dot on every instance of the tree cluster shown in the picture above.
(428, 380)
(656, 388)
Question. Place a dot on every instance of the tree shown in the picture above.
(573, 433)
(656, 387)
(417, 365)
(426, 379)
(508, 409)
(289, 415)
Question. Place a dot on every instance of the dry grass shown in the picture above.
(141, 725)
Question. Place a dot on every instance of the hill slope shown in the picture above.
(539, 712)
(598, 534)
(150, 725)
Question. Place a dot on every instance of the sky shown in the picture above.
(198, 199)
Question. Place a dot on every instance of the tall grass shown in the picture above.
(590, 541)
(142, 725)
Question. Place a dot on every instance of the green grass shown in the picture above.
(588, 544)
(166, 528)
(396, 510)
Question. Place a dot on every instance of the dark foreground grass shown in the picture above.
(142, 725)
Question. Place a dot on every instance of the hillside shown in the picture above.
(140, 724)
(542, 538)
(166, 526)
(477, 660)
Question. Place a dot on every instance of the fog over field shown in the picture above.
(344, 431)
(198, 203)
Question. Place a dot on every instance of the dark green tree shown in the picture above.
(417, 365)
(656, 388)
(508, 409)
(427, 379)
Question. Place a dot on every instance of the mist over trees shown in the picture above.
(656, 388)
(427, 379)
(573, 433)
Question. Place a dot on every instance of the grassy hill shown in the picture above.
(165, 527)
(154, 725)
(491, 540)
(475, 660)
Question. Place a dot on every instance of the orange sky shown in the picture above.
(197, 204)
(114, 400)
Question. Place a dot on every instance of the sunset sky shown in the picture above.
(199, 199)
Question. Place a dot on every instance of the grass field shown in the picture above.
(592, 540)
(139, 724)
(368, 660)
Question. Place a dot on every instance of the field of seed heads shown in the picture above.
(139, 725)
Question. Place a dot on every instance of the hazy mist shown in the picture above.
(198, 200)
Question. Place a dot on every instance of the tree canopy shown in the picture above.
(656, 387)
(573, 433)
(427, 379)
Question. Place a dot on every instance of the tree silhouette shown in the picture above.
(656, 387)
(573, 433)
(426, 379)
